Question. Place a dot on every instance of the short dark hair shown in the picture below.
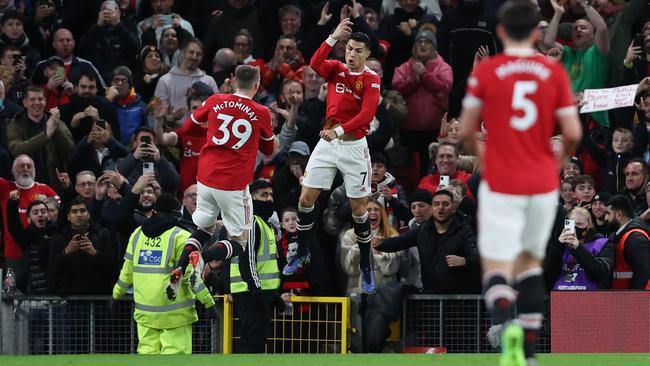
(11, 14)
(190, 41)
(621, 203)
(362, 38)
(582, 179)
(144, 129)
(33, 88)
(446, 143)
(644, 165)
(258, 184)
(35, 203)
(518, 18)
(290, 8)
(247, 76)
(442, 192)
(9, 47)
(77, 200)
(86, 74)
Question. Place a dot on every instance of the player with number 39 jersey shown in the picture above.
(237, 128)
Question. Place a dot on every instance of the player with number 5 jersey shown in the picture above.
(237, 128)
(522, 97)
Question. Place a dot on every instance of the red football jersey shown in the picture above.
(237, 127)
(352, 98)
(521, 94)
(12, 250)
(191, 138)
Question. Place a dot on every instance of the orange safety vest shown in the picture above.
(622, 271)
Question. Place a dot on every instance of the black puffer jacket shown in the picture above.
(437, 276)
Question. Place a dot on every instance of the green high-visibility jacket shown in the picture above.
(148, 263)
(267, 262)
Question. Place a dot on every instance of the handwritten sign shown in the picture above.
(606, 99)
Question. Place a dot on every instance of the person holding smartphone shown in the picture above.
(82, 259)
(146, 158)
(97, 151)
(580, 258)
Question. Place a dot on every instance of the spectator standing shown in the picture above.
(109, 43)
(127, 103)
(13, 34)
(150, 69)
(632, 265)
(449, 260)
(41, 135)
(579, 259)
(163, 17)
(172, 87)
(64, 44)
(82, 255)
(587, 61)
(425, 82)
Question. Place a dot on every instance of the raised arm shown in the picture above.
(600, 27)
(551, 32)
(319, 62)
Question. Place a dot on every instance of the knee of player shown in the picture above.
(308, 197)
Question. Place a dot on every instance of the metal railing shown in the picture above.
(48, 325)
(310, 325)
(457, 322)
(82, 324)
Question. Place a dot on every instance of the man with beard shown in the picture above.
(41, 135)
(598, 211)
(138, 203)
(172, 87)
(35, 241)
(24, 174)
(449, 260)
(636, 173)
(632, 266)
(85, 108)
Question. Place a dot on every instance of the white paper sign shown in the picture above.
(606, 99)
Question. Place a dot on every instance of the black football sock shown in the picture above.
(530, 306)
(362, 232)
(305, 225)
(499, 295)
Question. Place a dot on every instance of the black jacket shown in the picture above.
(599, 268)
(636, 252)
(108, 47)
(437, 276)
(36, 248)
(79, 104)
(84, 157)
(79, 273)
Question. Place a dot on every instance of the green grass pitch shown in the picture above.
(642, 359)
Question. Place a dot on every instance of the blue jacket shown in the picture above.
(131, 117)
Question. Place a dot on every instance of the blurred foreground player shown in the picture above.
(237, 127)
(521, 96)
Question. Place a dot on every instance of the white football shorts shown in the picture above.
(235, 207)
(510, 224)
(351, 158)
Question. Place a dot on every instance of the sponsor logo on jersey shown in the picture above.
(150, 257)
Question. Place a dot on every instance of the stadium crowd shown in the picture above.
(92, 92)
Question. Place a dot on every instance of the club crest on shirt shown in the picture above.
(358, 85)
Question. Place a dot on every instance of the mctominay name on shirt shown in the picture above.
(239, 105)
(523, 66)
